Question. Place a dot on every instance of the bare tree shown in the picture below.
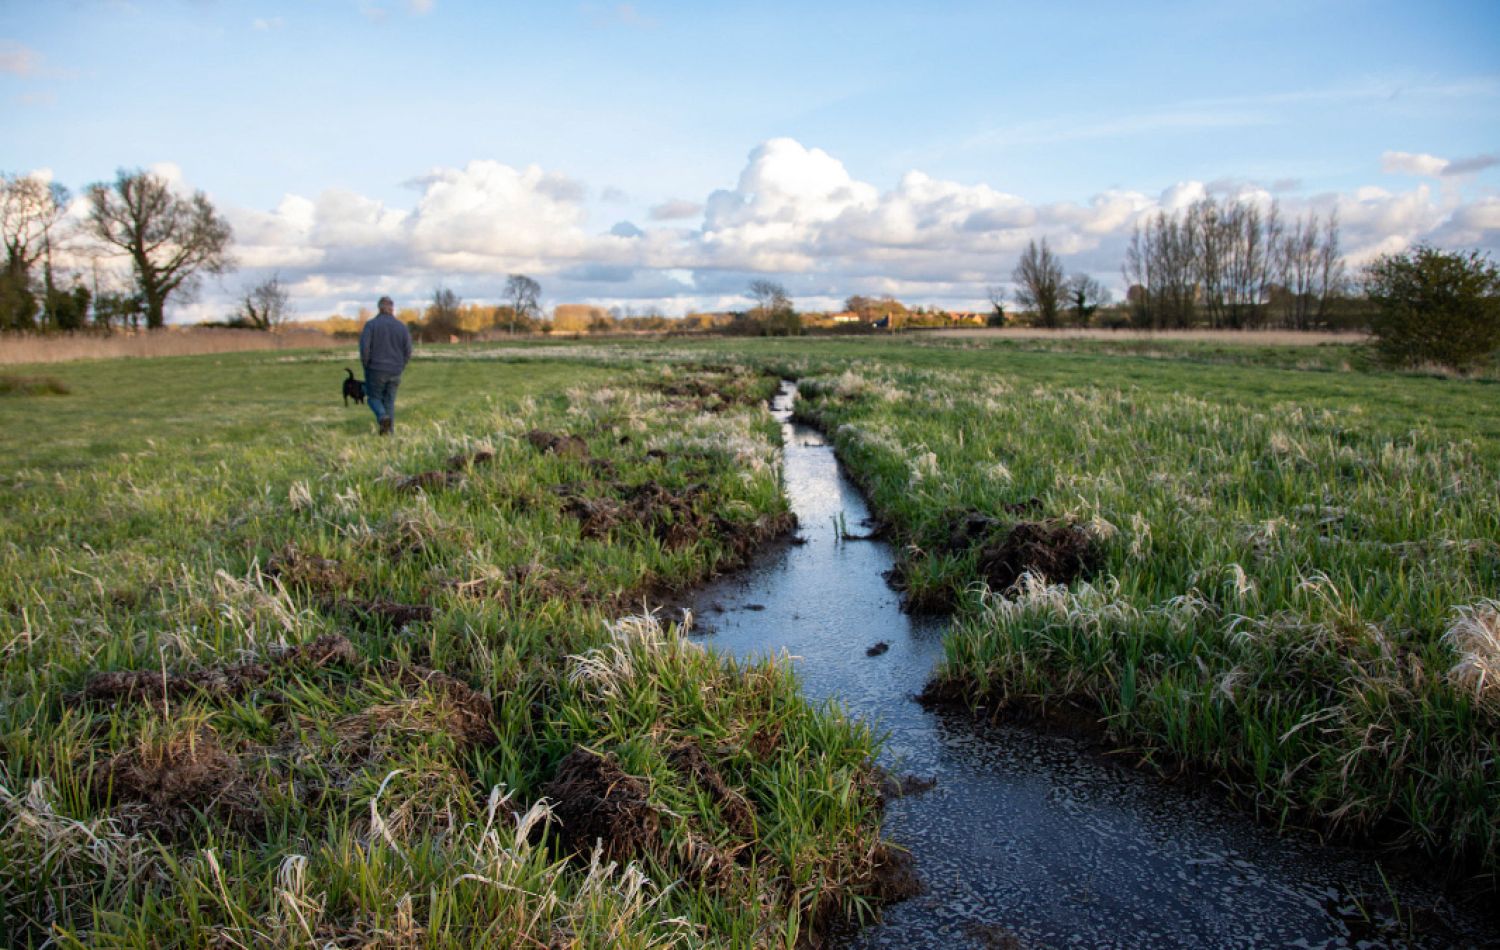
(267, 305)
(997, 306)
(171, 241)
(442, 318)
(1039, 283)
(30, 210)
(1085, 295)
(522, 292)
(773, 311)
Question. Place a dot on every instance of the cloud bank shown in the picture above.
(794, 213)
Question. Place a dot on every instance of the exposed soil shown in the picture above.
(672, 516)
(171, 785)
(688, 759)
(157, 686)
(713, 392)
(1059, 551)
(424, 481)
(463, 460)
(471, 716)
(566, 446)
(878, 649)
(298, 570)
(392, 612)
(595, 800)
(891, 787)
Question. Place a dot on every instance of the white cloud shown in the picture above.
(795, 213)
(18, 60)
(269, 24)
(419, 7)
(1431, 166)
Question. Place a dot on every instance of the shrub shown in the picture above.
(1435, 306)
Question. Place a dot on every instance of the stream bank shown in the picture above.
(1029, 839)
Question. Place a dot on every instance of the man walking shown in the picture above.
(384, 348)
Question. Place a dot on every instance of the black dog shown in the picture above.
(353, 388)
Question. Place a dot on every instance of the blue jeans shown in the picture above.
(380, 393)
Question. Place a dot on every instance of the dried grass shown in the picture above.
(169, 341)
(1475, 635)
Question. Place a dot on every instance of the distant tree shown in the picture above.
(68, 310)
(1039, 283)
(30, 210)
(267, 305)
(1435, 306)
(1084, 295)
(773, 312)
(441, 321)
(997, 307)
(522, 293)
(171, 241)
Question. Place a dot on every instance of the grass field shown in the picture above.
(265, 678)
(268, 678)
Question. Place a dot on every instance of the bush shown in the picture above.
(1435, 306)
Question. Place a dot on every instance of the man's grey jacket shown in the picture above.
(384, 345)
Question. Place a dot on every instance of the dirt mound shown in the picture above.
(172, 784)
(463, 460)
(893, 875)
(971, 526)
(296, 569)
(713, 392)
(672, 516)
(1058, 551)
(469, 715)
(424, 481)
(156, 686)
(392, 612)
(594, 800)
(567, 446)
(688, 759)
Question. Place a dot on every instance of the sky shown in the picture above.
(659, 155)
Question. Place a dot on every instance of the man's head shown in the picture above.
(386, 305)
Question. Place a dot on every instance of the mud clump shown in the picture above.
(878, 649)
(469, 714)
(597, 801)
(971, 526)
(166, 788)
(1058, 551)
(893, 875)
(463, 460)
(688, 760)
(424, 481)
(296, 569)
(890, 787)
(392, 612)
(564, 446)
(158, 686)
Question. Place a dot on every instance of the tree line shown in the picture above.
(170, 241)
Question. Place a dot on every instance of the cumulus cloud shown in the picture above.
(675, 210)
(794, 213)
(1431, 166)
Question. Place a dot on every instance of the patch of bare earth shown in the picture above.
(232, 680)
(164, 788)
(597, 801)
(1056, 550)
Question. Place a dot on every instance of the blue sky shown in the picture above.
(369, 146)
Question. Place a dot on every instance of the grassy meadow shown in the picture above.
(268, 679)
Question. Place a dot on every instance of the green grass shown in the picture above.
(1292, 555)
(1284, 555)
(191, 514)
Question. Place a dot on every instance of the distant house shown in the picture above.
(848, 316)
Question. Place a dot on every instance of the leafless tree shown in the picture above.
(1084, 295)
(773, 311)
(171, 241)
(1039, 283)
(30, 210)
(267, 305)
(522, 292)
(996, 297)
(442, 318)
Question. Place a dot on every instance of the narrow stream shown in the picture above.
(1026, 839)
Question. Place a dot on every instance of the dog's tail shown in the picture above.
(349, 371)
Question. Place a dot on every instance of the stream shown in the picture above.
(1030, 839)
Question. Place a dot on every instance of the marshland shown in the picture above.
(268, 679)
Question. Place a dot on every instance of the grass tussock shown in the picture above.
(23, 386)
(1286, 596)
